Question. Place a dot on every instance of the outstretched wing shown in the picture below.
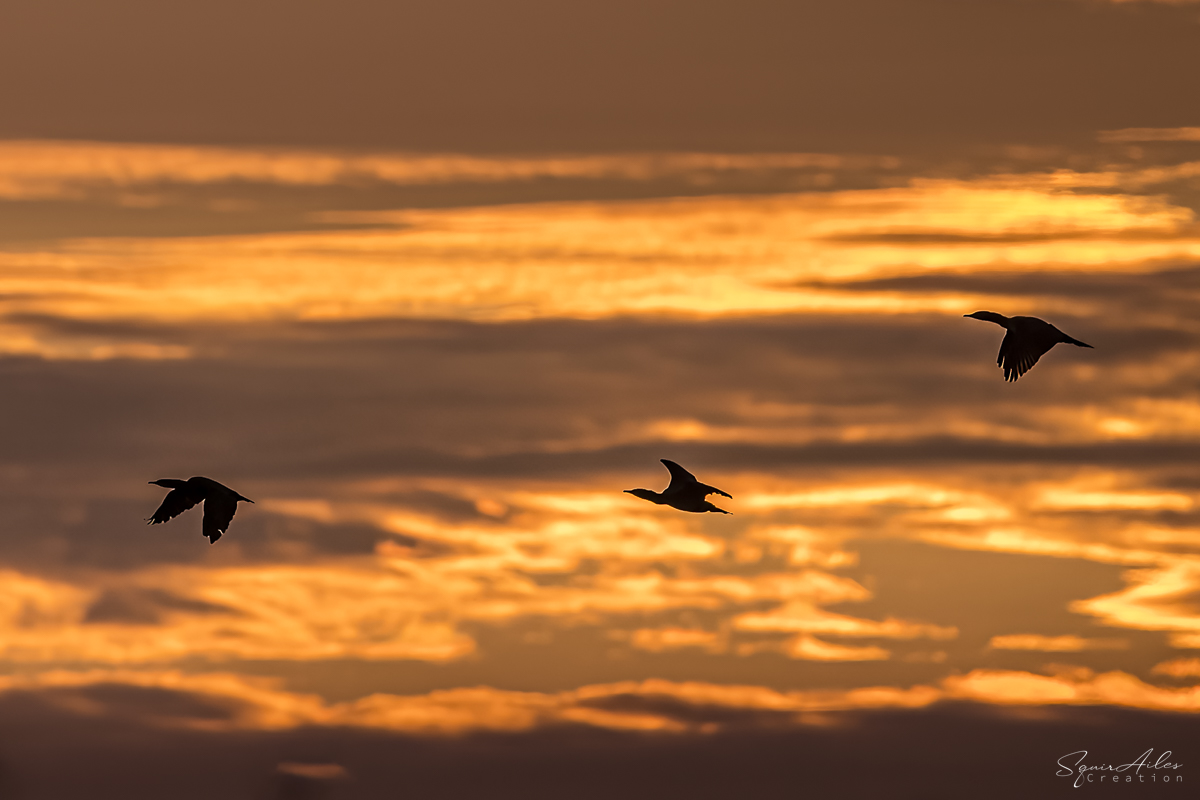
(219, 509)
(680, 477)
(1019, 353)
(714, 490)
(175, 503)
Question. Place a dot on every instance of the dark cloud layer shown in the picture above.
(940, 752)
(1157, 289)
(463, 390)
(547, 401)
(540, 75)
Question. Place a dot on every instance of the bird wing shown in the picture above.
(175, 503)
(714, 490)
(1019, 353)
(219, 509)
(680, 477)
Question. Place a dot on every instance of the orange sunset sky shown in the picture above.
(433, 282)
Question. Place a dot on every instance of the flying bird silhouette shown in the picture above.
(684, 492)
(1027, 340)
(220, 503)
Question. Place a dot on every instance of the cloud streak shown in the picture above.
(711, 257)
(63, 169)
(651, 706)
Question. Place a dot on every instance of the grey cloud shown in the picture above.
(1111, 286)
(140, 606)
(474, 389)
(1139, 314)
(275, 411)
(538, 75)
(147, 704)
(691, 714)
(458, 387)
(628, 463)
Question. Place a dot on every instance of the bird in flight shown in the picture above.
(1027, 340)
(684, 492)
(220, 503)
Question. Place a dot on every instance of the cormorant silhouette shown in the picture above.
(220, 503)
(684, 492)
(1027, 340)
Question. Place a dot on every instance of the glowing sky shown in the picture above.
(435, 359)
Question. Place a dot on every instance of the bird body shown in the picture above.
(684, 492)
(220, 503)
(1027, 340)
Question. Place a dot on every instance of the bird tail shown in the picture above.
(1076, 342)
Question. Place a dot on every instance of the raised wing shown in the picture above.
(680, 477)
(1019, 353)
(219, 509)
(175, 503)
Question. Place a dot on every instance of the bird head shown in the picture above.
(645, 494)
(988, 316)
(169, 483)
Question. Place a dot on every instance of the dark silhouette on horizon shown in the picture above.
(1027, 340)
(220, 503)
(684, 492)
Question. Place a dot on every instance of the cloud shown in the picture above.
(1054, 644)
(718, 746)
(29, 337)
(131, 605)
(394, 607)
(1179, 668)
(225, 702)
(814, 649)
(1165, 2)
(42, 170)
(1151, 134)
(707, 257)
(1099, 501)
(625, 77)
(656, 640)
(1158, 598)
(559, 544)
(314, 771)
(1111, 688)
(257, 704)
(439, 469)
